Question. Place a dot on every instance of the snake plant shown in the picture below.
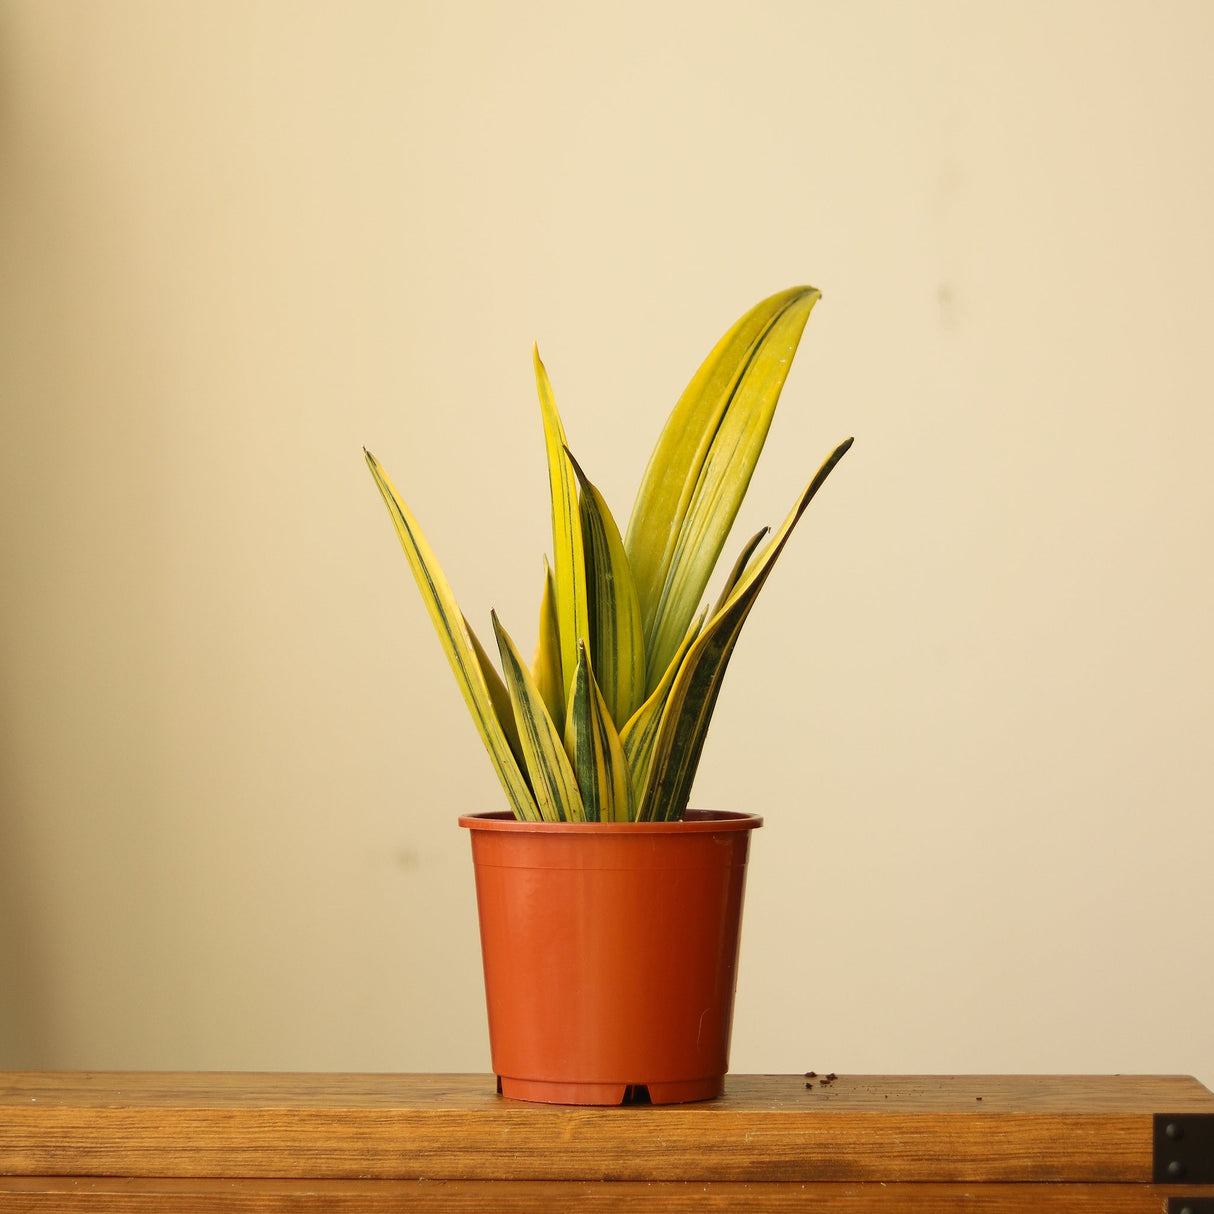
(607, 722)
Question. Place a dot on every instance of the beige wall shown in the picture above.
(238, 241)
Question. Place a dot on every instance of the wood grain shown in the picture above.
(769, 1129)
(143, 1196)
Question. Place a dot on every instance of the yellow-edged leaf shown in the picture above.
(617, 641)
(693, 696)
(594, 747)
(457, 645)
(567, 549)
(641, 732)
(702, 465)
(552, 778)
(546, 664)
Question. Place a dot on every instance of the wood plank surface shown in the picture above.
(149, 1196)
(769, 1129)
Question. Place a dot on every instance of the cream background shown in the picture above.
(240, 240)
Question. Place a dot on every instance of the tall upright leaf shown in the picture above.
(546, 664)
(572, 616)
(701, 468)
(595, 750)
(457, 644)
(617, 641)
(552, 777)
(693, 696)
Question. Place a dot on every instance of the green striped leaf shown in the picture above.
(640, 734)
(552, 778)
(617, 642)
(573, 622)
(457, 645)
(694, 694)
(546, 664)
(595, 749)
(701, 468)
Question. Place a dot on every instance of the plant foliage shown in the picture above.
(608, 722)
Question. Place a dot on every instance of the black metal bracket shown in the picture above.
(1184, 1149)
(1190, 1205)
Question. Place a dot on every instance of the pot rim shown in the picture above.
(697, 821)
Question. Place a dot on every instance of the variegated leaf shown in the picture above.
(546, 664)
(498, 696)
(641, 732)
(617, 642)
(568, 554)
(457, 645)
(552, 778)
(701, 468)
(693, 696)
(594, 747)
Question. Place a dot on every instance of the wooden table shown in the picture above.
(79, 1141)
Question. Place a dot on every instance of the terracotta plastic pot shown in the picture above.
(610, 953)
